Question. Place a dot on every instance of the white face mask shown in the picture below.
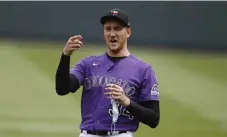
(115, 111)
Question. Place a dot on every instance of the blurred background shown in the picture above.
(185, 42)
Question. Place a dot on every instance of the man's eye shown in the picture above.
(117, 28)
(108, 29)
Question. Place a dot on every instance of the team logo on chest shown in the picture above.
(103, 80)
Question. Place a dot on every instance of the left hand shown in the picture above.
(117, 93)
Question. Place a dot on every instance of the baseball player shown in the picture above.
(119, 90)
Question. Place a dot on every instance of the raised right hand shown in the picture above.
(74, 43)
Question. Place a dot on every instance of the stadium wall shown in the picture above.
(183, 24)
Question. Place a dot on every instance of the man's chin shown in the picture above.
(114, 49)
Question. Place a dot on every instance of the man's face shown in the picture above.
(115, 35)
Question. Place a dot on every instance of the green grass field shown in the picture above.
(193, 92)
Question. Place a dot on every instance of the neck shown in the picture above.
(120, 53)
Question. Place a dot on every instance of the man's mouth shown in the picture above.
(113, 41)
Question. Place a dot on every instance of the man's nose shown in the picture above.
(112, 33)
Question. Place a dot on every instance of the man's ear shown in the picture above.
(129, 32)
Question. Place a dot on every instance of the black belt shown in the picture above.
(104, 133)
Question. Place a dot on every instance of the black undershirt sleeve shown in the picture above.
(64, 81)
(146, 112)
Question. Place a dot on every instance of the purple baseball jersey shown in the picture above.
(136, 77)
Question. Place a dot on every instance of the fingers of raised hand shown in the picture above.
(76, 37)
(74, 44)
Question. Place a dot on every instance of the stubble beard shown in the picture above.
(116, 50)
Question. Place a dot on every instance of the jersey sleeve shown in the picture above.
(150, 88)
(79, 70)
